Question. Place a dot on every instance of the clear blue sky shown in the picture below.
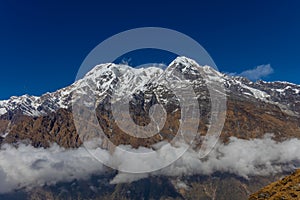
(42, 44)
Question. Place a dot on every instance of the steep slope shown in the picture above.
(286, 188)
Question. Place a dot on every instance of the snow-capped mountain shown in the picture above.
(102, 78)
(123, 80)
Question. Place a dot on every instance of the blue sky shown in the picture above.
(42, 43)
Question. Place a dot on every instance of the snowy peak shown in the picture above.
(120, 79)
(182, 60)
(184, 66)
(193, 71)
(121, 70)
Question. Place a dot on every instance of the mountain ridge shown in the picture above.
(51, 102)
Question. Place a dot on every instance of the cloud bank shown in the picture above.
(26, 166)
(240, 157)
(258, 72)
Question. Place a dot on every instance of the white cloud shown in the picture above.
(126, 61)
(241, 157)
(257, 72)
(157, 65)
(27, 166)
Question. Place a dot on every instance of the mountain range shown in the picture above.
(253, 109)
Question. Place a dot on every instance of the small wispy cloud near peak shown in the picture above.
(257, 72)
(126, 61)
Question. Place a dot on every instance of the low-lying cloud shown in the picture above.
(240, 157)
(26, 166)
